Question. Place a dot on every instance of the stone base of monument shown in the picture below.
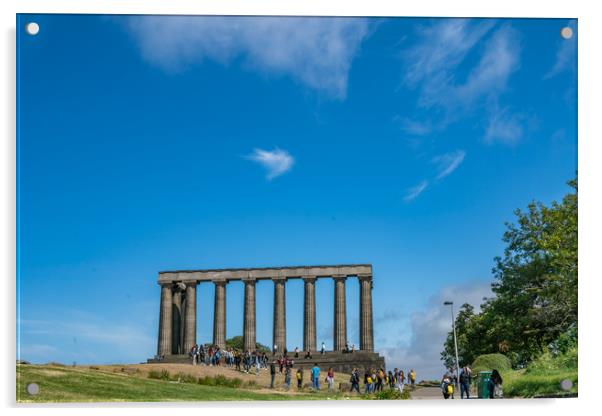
(339, 361)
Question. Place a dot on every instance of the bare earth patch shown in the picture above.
(262, 379)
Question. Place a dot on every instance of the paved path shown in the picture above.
(427, 393)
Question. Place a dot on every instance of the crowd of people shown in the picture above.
(450, 379)
(374, 380)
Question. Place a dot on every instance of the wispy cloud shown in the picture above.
(566, 56)
(504, 126)
(83, 338)
(435, 66)
(276, 162)
(315, 51)
(448, 162)
(414, 127)
(413, 192)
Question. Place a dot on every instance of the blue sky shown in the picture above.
(159, 143)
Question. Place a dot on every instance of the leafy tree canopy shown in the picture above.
(534, 306)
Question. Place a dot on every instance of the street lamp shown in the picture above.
(450, 303)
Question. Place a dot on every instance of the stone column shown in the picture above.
(165, 317)
(279, 314)
(219, 314)
(176, 346)
(309, 314)
(366, 324)
(190, 317)
(249, 325)
(340, 313)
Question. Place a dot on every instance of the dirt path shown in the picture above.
(427, 393)
(263, 378)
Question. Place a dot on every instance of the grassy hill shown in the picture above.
(59, 383)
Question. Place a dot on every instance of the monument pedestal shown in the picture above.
(339, 361)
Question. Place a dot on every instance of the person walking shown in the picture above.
(413, 378)
(299, 376)
(287, 377)
(465, 383)
(193, 352)
(494, 385)
(355, 380)
(315, 376)
(330, 378)
(372, 380)
(272, 373)
(400, 381)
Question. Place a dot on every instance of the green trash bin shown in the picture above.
(482, 381)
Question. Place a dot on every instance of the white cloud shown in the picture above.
(414, 127)
(566, 57)
(504, 126)
(490, 76)
(448, 162)
(413, 192)
(277, 161)
(316, 51)
(83, 338)
(429, 328)
(435, 64)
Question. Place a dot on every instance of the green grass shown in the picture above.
(521, 383)
(69, 384)
(59, 383)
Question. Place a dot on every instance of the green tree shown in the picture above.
(237, 343)
(535, 288)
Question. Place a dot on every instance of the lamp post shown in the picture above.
(451, 304)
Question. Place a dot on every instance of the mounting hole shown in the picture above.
(566, 32)
(33, 388)
(32, 28)
(566, 384)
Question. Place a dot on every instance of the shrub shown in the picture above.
(93, 367)
(388, 394)
(488, 362)
(206, 381)
(159, 375)
(186, 378)
(251, 384)
(548, 362)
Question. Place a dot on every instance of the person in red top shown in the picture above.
(330, 379)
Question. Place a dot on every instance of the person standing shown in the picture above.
(413, 378)
(494, 385)
(330, 378)
(315, 376)
(355, 380)
(299, 376)
(272, 373)
(287, 377)
(323, 349)
(465, 383)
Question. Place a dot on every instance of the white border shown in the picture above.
(590, 70)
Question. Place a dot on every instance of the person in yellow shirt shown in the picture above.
(412, 377)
